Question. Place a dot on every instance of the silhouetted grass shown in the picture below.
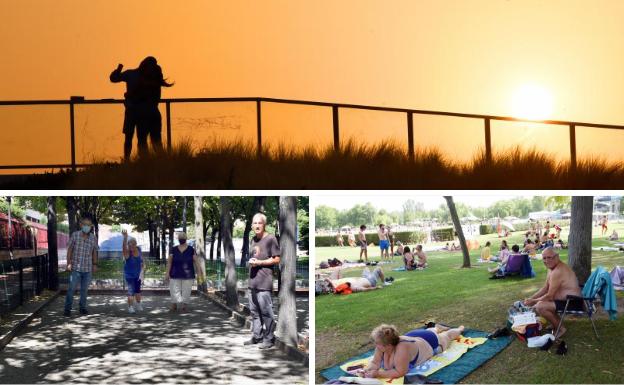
(238, 165)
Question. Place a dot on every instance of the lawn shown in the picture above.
(447, 293)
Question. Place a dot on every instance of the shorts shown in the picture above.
(575, 305)
(134, 286)
(427, 335)
(372, 276)
(384, 244)
(363, 245)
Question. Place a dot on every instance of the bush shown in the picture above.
(443, 234)
(485, 229)
(406, 237)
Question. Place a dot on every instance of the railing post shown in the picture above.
(168, 120)
(572, 147)
(488, 141)
(410, 135)
(259, 125)
(336, 121)
(37, 268)
(21, 280)
(72, 134)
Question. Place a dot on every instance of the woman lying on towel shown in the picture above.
(395, 355)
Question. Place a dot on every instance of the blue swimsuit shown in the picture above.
(429, 336)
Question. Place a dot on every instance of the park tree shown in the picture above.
(52, 245)
(538, 203)
(231, 293)
(200, 246)
(557, 202)
(326, 217)
(287, 325)
(579, 241)
(458, 229)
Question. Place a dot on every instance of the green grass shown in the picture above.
(447, 293)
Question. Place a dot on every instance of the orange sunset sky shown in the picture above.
(460, 56)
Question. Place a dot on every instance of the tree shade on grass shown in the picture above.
(447, 293)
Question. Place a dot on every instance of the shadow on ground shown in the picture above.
(111, 346)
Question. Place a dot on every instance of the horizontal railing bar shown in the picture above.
(19, 166)
(319, 104)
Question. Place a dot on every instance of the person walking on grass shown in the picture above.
(363, 244)
(133, 272)
(82, 259)
(265, 253)
(384, 244)
(180, 274)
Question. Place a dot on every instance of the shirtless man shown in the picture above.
(351, 238)
(560, 282)
(368, 280)
(422, 257)
(603, 225)
(391, 239)
(384, 244)
(339, 239)
(363, 244)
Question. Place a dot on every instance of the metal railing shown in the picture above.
(22, 279)
(110, 273)
(335, 110)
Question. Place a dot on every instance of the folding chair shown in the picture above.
(590, 310)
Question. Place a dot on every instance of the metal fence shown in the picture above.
(110, 273)
(335, 113)
(22, 279)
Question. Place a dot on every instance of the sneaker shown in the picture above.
(265, 345)
(139, 306)
(251, 341)
(131, 309)
(84, 311)
(67, 313)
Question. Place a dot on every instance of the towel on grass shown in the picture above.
(449, 373)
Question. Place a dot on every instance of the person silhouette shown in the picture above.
(141, 101)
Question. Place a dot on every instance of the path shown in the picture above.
(111, 346)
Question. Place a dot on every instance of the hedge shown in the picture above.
(485, 229)
(443, 234)
(406, 237)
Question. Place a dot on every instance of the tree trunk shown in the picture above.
(579, 241)
(72, 214)
(52, 245)
(258, 202)
(200, 247)
(287, 325)
(184, 213)
(213, 234)
(150, 233)
(219, 241)
(163, 243)
(231, 293)
(458, 229)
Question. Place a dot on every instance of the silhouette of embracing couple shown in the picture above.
(141, 100)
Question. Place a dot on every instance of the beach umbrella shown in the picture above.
(508, 225)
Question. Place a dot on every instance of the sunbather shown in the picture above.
(408, 259)
(422, 257)
(486, 254)
(613, 236)
(368, 281)
(500, 269)
(395, 355)
(530, 249)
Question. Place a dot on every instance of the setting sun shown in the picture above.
(532, 102)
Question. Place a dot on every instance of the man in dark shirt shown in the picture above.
(265, 253)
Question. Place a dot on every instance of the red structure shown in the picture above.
(27, 238)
